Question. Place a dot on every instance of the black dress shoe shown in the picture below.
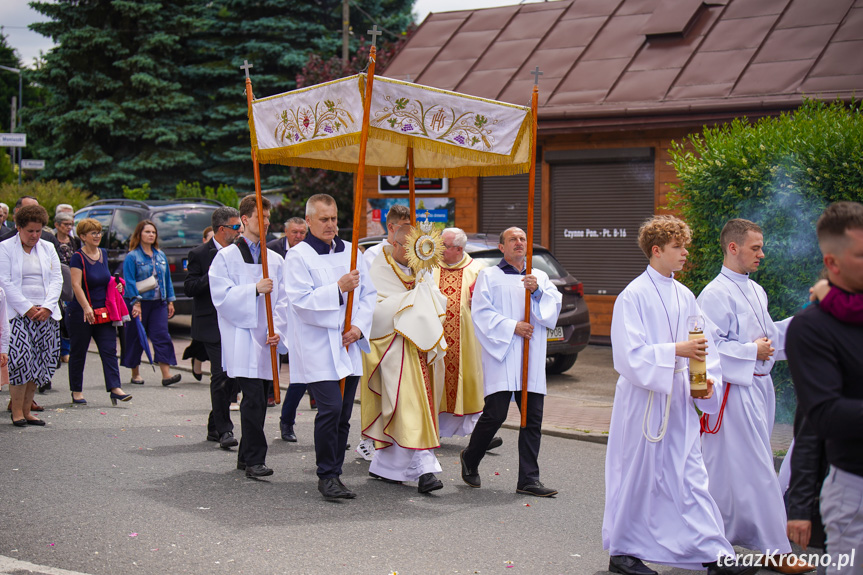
(331, 489)
(468, 475)
(288, 433)
(35, 422)
(19, 422)
(715, 569)
(351, 494)
(212, 436)
(537, 489)
(429, 482)
(171, 380)
(228, 440)
(259, 470)
(384, 479)
(495, 442)
(628, 565)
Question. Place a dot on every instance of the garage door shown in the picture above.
(503, 203)
(597, 208)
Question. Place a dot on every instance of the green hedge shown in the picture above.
(49, 193)
(780, 173)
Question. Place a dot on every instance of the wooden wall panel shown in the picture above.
(464, 190)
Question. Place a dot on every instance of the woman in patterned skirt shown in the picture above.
(30, 274)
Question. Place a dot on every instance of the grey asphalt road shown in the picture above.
(137, 489)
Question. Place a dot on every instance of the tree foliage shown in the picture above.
(148, 92)
(780, 173)
(306, 182)
(49, 194)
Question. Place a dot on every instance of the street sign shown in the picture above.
(32, 164)
(13, 140)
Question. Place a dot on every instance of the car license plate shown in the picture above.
(555, 334)
(185, 264)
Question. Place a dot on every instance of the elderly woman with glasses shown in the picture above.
(69, 244)
(31, 276)
(150, 293)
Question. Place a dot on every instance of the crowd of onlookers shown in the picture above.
(57, 294)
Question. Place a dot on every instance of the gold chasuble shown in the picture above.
(463, 387)
(398, 394)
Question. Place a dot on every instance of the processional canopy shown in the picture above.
(451, 134)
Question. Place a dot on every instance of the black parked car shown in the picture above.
(180, 223)
(573, 326)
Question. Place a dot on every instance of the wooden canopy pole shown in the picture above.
(412, 186)
(274, 356)
(361, 172)
(531, 190)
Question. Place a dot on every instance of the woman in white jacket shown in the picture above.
(31, 277)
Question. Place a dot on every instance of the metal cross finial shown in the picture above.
(375, 33)
(536, 74)
(409, 78)
(246, 67)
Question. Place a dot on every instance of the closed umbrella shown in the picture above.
(145, 342)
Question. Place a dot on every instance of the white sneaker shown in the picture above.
(366, 449)
(235, 407)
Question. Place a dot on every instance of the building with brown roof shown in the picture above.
(620, 80)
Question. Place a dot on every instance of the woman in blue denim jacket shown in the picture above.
(153, 304)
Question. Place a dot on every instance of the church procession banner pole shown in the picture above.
(274, 356)
(361, 171)
(412, 186)
(531, 190)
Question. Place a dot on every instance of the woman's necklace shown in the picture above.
(96, 259)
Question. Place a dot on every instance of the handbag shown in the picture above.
(147, 284)
(100, 315)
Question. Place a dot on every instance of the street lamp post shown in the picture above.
(20, 105)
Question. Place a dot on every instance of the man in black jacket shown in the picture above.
(827, 368)
(205, 322)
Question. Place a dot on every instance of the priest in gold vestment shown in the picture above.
(463, 396)
(398, 394)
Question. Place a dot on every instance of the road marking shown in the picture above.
(10, 566)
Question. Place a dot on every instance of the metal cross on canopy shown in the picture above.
(375, 33)
(246, 67)
(536, 74)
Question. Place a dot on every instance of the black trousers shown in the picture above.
(222, 391)
(493, 416)
(253, 411)
(332, 424)
(105, 336)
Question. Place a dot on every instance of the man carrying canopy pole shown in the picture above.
(274, 357)
(318, 279)
(237, 283)
(497, 309)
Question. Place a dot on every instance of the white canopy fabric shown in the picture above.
(451, 134)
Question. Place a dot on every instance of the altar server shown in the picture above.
(657, 505)
(237, 288)
(736, 445)
(318, 277)
(498, 316)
